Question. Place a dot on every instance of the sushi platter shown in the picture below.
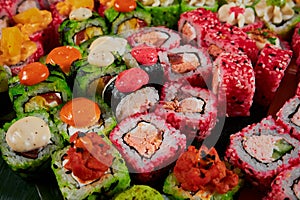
(150, 99)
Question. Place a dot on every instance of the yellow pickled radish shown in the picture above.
(32, 15)
(11, 41)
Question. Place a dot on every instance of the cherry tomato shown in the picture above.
(131, 80)
(33, 73)
(145, 55)
(63, 56)
(80, 112)
(125, 5)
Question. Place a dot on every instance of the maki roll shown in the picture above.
(200, 174)
(193, 25)
(147, 143)
(105, 60)
(285, 185)
(125, 22)
(27, 143)
(81, 32)
(132, 93)
(160, 37)
(187, 63)
(231, 39)
(280, 17)
(84, 115)
(234, 84)
(163, 13)
(36, 88)
(191, 110)
(90, 168)
(288, 116)
(269, 71)
(140, 192)
(262, 150)
(188, 5)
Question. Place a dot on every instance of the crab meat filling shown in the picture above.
(28, 136)
(43, 101)
(145, 138)
(266, 148)
(131, 24)
(189, 32)
(184, 62)
(295, 117)
(152, 38)
(86, 34)
(187, 105)
(296, 188)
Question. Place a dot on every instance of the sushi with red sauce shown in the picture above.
(201, 174)
(90, 167)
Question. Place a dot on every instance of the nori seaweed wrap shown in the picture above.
(45, 95)
(82, 33)
(103, 175)
(28, 141)
(163, 13)
(122, 22)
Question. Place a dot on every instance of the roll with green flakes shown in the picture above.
(101, 176)
(46, 95)
(82, 32)
(122, 22)
(188, 5)
(104, 126)
(140, 192)
(163, 13)
(27, 143)
(282, 19)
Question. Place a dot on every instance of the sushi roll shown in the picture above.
(35, 88)
(231, 39)
(124, 22)
(262, 150)
(163, 13)
(295, 43)
(264, 36)
(285, 185)
(90, 168)
(280, 17)
(27, 143)
(234, 84)
(188, 5)
(82, 28)
(132, 93)
(194, 24)
(187, 63)
(269, 71)
(191, 110)
(84, 115)
(200, 174)
(160, 37)
(147, 143)
(288, 116)
(140, 192)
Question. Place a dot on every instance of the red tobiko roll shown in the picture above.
(289, 116)
(234, 84)
(190, 109)
(193, 25)
(262, 150)
(232, 39)
(269, 71)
